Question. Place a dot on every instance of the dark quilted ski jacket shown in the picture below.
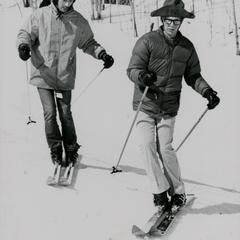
(171, 61)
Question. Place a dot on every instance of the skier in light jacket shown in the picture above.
(160, 59)
(50, 37)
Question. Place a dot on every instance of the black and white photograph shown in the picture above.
(119, 119)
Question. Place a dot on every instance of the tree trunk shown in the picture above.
(158, 19)
(92, 8)
(193, 6)
(210, 19)
(236, 28)
(98, 8)
(134, 18)
(110, 11)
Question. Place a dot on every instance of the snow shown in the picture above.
(101, 205)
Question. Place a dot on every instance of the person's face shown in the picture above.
(64, 5)
(171, 25)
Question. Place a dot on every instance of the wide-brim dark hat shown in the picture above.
(172, 8)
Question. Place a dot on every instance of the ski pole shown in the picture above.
(85, 89)
(194, 126)
(28, 94)
(29, 99)
(115, 168)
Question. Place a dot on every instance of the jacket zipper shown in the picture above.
(59, 48)
(170, 64)
(168, 72)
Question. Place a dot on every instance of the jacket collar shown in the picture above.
(172, 42)
(58, 13)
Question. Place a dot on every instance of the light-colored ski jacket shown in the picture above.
(53, 41)
(171, 61)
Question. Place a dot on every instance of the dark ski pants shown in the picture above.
(50, 105)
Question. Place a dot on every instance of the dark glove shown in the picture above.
(24, 51)
(147, 78)
(45, 3)
(213, 99)
(108, 60)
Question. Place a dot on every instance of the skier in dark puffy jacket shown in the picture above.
(50, 37)
(160, 59)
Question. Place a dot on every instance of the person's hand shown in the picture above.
(147, 78)
(107, 59)
(24, 51)
(213, 99)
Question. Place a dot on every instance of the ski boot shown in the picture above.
(56, 154)
(161, 200)
(178, 201)
(72, 154)
(68, 163)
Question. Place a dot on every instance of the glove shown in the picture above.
(147, 78)
(24, 51)
(108, 60)
(213, 99)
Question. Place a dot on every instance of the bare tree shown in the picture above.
(92, 8)
(110, 11)
(193, 6)
(134, 17)
(96, 6)
(158, 21)
(236, 28)
(210, 19)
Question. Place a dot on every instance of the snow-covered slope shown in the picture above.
(101, 205)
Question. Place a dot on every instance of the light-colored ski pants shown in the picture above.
(160, 160)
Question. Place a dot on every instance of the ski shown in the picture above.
(53, 180)
(160, 221)
(170, 215)
(66, 178)
(62, 176)
(151, 224)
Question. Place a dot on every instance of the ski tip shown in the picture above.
(136, 231)
(63, 182)
(51, 181)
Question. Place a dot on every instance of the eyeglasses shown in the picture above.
(175, 22)
(68, 1)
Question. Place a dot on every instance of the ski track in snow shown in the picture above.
(100, 205)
